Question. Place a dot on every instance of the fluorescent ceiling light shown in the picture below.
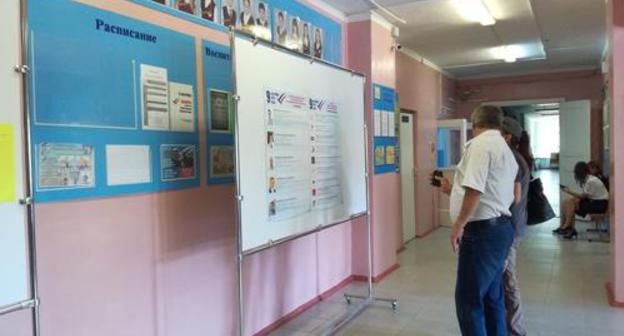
(475, 10)
(509, 54)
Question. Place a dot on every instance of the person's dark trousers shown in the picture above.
(479, 297)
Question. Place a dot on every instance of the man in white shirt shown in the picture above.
(481, 196)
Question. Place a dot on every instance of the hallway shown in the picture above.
(562, 283)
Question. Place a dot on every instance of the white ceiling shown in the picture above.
(550, 35)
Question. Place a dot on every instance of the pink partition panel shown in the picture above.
(421, 90)
(616, 76)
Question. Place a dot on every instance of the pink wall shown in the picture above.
(616, 92)
(573, 85)
(164, 263)
(424, 91)
(370, 52)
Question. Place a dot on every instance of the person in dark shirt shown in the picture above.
(306, 38)
(208, 8)
(318, 44)
(262, 19)
(229, 13)
(246, 15)
(186, 6)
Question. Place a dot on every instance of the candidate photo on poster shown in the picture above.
(281, 29)
(294, 38)
(209, 10)
(221, 161)
(229, 13)
(305, 38)
(263, 22)
(318, 42)
(187, 6)
(177, 162)
(162, 2)
(220, 111)
(247, 19)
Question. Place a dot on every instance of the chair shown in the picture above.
(601, 227)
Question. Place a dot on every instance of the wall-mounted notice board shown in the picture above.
(113, 103)
(301, 135)
(385, 150)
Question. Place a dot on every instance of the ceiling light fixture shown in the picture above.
(475, 10)
(509, 54)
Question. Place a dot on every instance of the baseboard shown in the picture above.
(611, 297)
(401, 249)
(384, 274)
(299, 310)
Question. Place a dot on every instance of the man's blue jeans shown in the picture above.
(479, 297)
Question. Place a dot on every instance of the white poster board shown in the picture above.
(13, 239)
(302, 160)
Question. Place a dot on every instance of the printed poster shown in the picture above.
(288, 159)
(220, 111)
(380, 155)
(66, 166)
(7, 163)
(221, 161)
(154, 97)
(177, 162)
(182, 107)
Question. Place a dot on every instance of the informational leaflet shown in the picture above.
(377, 123)
(182, 107)
(222, 161)
(326, 155)
(220, 112)
(7, 163)
(391, 123)
(66, 165)
(288, 147)
(303, 156)
(128, 164)
(154, 97)
(177, 162)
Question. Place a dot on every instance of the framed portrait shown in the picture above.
(280, 27)
(229, 13)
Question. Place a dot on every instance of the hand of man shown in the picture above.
(456, 236)
(446, 186)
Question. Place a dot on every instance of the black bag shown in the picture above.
(538, 207)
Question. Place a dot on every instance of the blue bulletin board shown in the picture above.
(86, 89)
(385, 140)
(218, 81)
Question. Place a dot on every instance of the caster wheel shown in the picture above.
(395, 306)
(348, 300)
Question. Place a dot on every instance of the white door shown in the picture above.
(575, 146)
(408, 201)
(13, 227)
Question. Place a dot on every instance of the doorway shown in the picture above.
(408, 200)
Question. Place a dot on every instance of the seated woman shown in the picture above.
(596, 170)
(594, 199)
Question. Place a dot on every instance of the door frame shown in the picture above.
(413, 118)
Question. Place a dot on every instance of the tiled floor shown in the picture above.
(562, 284)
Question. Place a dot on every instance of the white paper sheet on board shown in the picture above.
(154, 97)
(391, 124)
(384, 124)
(128, 164)
(182, 107)
(377, 123)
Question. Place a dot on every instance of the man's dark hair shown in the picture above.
(487, 116)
